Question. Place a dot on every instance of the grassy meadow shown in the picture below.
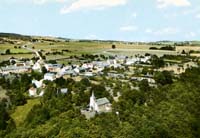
(79, 48)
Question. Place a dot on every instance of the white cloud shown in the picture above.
(92, 37)
(129, 28)
(177, 3)
(134, 15)
(148, 30)
(163, 31)
(62, 1)
(171, 16)
(190, 34)
(167, 31)
(191, 11)
(198, 16)
(36, 2)
(40, 2)
(91, 5)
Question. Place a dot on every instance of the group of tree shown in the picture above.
(171, 48)
(157, 62)
(169, 110)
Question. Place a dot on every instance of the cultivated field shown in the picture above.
(78, 48)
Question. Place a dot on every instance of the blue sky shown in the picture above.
(132, 20)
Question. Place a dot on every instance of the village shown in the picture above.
(99, 69)
(116, 67)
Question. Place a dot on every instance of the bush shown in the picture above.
(153, 48)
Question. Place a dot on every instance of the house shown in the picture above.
(116, 75)
(89, 74)
(15, 69)
(20, 64)
(64, 70)
(99, 105)
(41, 93)
(53, 67)
(49, 76)
(13, 59)
(76, 70)
(70, 72)
(101, 64)
(37, 66)
(150, 80)
(32, 91)
(37, 83)
(64, 90)
(131, 61)
(87, 66)
(145, 59)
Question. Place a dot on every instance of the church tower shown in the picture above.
(92, 102)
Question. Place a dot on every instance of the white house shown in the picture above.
(15, 69)
(87, 66)
(64, 90)
(49, 76)
(99, 105)
(41, 93)
(37, 83)
(53, 67)
(32, 91)
(89, 74)
(76, 70)
(37, 66)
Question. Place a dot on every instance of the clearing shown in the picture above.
(22, 111)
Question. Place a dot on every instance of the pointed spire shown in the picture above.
(93, 95)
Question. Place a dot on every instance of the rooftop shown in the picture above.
(49, 74)
(102, 101)
(14, 68)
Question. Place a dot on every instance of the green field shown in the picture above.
(78, 48)
(21, 111)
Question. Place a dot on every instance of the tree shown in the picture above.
(52, 62)
(113, 46)
(37, 115)
(7, 51)
(164, 77)
(144, 85)
(85, 81)
(60, 82)
(183, 52)
(157, 62)
(4, 116)
(99, 91)
(44, 70)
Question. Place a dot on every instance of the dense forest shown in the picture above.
(172, 110)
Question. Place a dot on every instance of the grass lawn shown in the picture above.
(21, 111)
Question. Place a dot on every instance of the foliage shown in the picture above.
(113, 46)
(170, 110)
(7, 51)
(163, 78)
(157, 62)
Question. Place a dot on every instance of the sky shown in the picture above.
(124, 20)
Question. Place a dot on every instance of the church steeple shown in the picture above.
(93, 96)
(92, 101)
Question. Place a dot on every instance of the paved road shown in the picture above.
(30, 49)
